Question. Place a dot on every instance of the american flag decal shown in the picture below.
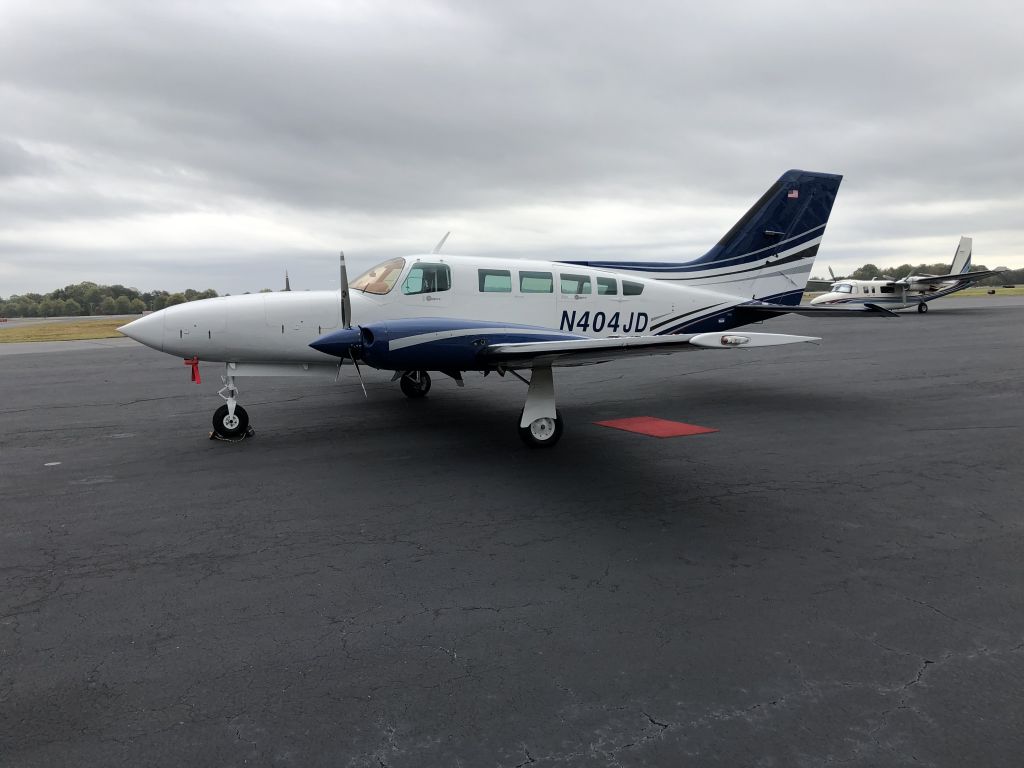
(793, 194)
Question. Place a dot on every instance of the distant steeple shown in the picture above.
(287, 285)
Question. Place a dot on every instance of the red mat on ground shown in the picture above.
(649, 425)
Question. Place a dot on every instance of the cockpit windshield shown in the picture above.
(381, 279)
(842, 288)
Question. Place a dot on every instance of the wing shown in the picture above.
(759, 310)
(572, 352)
(439, 344)
(966, 276)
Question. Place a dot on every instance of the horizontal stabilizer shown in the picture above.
(877, 309)
(759, 310)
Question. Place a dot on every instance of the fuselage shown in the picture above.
(278, 327)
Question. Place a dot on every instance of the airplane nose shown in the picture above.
(337, 343)
(148, 330)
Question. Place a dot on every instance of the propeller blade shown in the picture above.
(359, 373)
(343, 297)
(832, 273)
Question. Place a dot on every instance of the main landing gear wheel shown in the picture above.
(415, 383)
(922, 307)
(230, 426)
(543, 432)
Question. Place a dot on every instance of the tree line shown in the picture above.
(91, 299)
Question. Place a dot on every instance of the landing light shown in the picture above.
(734, 341)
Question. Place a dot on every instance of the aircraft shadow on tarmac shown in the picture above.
(475, 422)
(463, 435)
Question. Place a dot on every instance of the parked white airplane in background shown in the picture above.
(454, 314)
(908, 291)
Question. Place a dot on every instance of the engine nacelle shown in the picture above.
(429, 343)
(414, 345)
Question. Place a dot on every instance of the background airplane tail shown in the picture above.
(962, 258)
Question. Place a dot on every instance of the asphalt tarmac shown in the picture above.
(832, 578)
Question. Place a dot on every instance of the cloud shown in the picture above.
(376, 125)
(16, 162)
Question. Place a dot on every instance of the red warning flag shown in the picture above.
(194, 362)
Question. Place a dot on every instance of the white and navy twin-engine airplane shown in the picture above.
(910, 290)
(453, 314)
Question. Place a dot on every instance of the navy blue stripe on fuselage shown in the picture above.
(677, 318)
(807, 253)
(709, 320)
(707, 266)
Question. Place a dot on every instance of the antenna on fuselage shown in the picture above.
(441, 242)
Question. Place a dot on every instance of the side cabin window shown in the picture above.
(887, 289)
(495, 280)
(575, 284)
(427, 278)
(536, 282)
(607, 286)
(632, 289)
(866, 289)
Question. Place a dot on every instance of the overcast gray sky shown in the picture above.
(214, 144)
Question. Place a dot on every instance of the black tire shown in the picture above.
(414, 389)
(542, 435)
(922, 307)
(230, 428)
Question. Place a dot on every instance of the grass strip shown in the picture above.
(69, 330)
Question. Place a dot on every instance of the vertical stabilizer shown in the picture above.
(765, 255)
(796, 208)
(768, 253)
(962, 259)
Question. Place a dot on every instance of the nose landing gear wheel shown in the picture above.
(922, 307)
(543, 432)
(230, 426)
(415, 383)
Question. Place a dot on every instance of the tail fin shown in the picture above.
(962, 259)
(795, 208)
(768, 253)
